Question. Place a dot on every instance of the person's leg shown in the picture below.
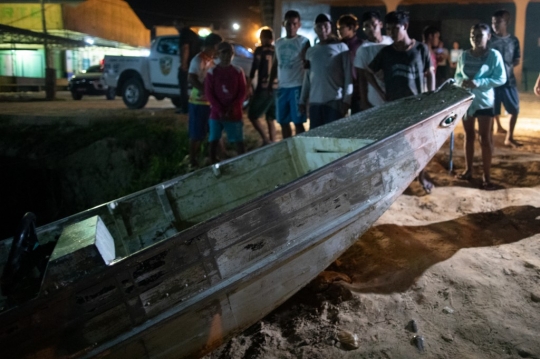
(497, 105)
(286, 130)
(283, 112)
(197, 129)
(468, 126)
(235, 134)
(499, 127)
(257, 107)
(194, 147)
(213, 145)
(485, 132)
(214, 139)
(316, 116)
(270, 122)
(510, 99)
(240, 148)
(270, 119)
(260, 130)
(297, 117)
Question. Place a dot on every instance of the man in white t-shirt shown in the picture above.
(288, 67)
(371, 86)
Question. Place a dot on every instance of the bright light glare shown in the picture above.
(235, 26)
(204, 32)
(89, 40)
(145, 52)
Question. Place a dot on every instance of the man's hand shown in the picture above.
(345, 108)
(470, 84)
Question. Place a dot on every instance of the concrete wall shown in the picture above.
(28, 16)
(111, 20)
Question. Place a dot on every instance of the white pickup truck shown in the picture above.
(136, 78)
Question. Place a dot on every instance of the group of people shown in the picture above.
(344, 73)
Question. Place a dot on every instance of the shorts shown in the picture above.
(198, 121)
(321, 114)
(509, 97)
(262, 103)
(234, 130)
(485, 112)
(287, 106)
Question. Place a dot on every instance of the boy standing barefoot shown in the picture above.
(289, 62)
(508, 46)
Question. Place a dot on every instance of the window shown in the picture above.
(168, 45)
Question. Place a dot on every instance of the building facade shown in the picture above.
(91, 29)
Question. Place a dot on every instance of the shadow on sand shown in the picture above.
(389, 258)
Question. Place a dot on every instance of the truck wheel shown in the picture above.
(111, 93)
(134, 94)
(176, 102)
(76, 96)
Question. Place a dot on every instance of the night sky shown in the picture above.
(194, 12)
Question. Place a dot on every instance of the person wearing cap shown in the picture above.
(327, 83)
(225, 88)
(288, 68)
(347, 27)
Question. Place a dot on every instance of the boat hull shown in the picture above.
(188, 294)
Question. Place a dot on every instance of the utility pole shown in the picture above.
(50, 72)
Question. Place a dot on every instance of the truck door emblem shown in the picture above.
(165, 65)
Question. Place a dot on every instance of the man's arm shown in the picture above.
(363, 88)
(194, 81)
(375, 66)
(430, 69)
(306, 87)
(348, 81)
(304, 50)
(241, 95)
(209, 92)
(517, 53)
(430, 79)
(185, 57)
(273, 74)
(255, 64)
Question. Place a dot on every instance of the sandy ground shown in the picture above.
(463, 263)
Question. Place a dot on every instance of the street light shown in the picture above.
(235, 26)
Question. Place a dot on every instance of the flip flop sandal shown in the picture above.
(488, 186)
